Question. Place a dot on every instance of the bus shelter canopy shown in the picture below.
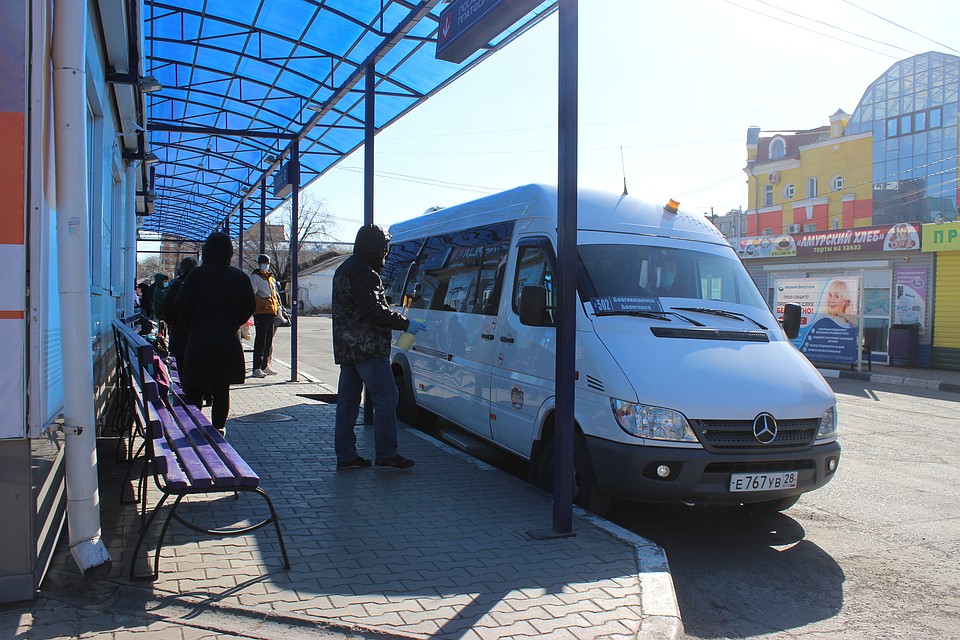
(240, 79)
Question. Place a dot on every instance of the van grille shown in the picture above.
(737, 435)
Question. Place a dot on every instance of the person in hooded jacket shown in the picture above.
(362, 324)
(159, 289)
(212, 303)
(178, 334)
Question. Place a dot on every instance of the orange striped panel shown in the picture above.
(11, 315)
(13, 172)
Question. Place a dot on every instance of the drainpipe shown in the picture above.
(80, 439)
(130, 254)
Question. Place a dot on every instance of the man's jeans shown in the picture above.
(376, 375)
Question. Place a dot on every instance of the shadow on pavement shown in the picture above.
(737, 574)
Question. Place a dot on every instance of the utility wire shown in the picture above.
(819, 33)
(831, 26)
(896, 24)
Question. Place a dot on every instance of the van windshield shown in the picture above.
(664, 272)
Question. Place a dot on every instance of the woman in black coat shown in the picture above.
(213, 301)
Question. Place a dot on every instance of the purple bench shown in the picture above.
(185, 453)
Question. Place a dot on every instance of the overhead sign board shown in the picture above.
(468, 25)
(283, 180)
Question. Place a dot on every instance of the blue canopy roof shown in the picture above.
(241, 78)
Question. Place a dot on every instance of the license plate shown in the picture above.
(763, 481)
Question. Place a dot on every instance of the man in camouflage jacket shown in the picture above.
(362, 325)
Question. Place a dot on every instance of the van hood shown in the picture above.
(715, 379)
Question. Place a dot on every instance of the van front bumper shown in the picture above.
(628, 472)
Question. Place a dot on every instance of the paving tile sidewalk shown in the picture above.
(439, 551)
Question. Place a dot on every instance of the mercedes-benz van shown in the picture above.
(687, 388)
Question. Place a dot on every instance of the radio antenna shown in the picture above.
(623, 168)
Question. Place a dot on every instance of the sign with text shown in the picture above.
(910, 296)
(903, 236)
(830, 309)
(625, 304)
(283, 180)
(941, 237)
(468, 25)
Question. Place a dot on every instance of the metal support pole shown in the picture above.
(294, 252)
(566, 270)
(263, 220)
(369, 115)
(240, 240)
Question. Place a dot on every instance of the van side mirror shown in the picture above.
(791, 320)
(533, 305)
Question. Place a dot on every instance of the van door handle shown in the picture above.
(486, 336)
(506, 339)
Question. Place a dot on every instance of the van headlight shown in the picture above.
(655, 423)
(828, 424)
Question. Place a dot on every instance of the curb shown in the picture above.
(883, 378)
(661, 612)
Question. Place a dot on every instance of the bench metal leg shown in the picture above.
(145, 527)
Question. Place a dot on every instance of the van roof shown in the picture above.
(596, 211)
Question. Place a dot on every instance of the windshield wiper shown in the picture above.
(722, 313)
(656, 315)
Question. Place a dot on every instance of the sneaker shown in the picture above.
(269, 371)
(396, 462)
(356, 463)
(257, 373)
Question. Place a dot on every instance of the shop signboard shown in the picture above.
(910, 296)
(943, 236)
(903, 236)
(830, 312)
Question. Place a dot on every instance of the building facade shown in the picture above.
(863, 187)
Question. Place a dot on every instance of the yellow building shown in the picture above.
(811, 180)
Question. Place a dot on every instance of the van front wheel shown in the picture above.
(407, 410)
(586, 492)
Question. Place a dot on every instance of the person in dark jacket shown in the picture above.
(178, 334)
(159, 289)
(212, 303)
(362, 322)
(146, 299)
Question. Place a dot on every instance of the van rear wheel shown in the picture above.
(586, 492)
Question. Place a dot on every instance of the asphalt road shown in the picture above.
(872, 555)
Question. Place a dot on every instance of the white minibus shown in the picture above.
(687, 387)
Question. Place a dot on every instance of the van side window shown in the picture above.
(535, 268)
(395, 268)
(458, 271)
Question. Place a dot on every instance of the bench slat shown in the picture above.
(168, 466)
(237, 465)
(189, 460)
(222, 475)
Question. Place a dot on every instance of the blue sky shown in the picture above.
(675, 84)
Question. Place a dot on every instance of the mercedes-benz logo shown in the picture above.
(765, 428)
